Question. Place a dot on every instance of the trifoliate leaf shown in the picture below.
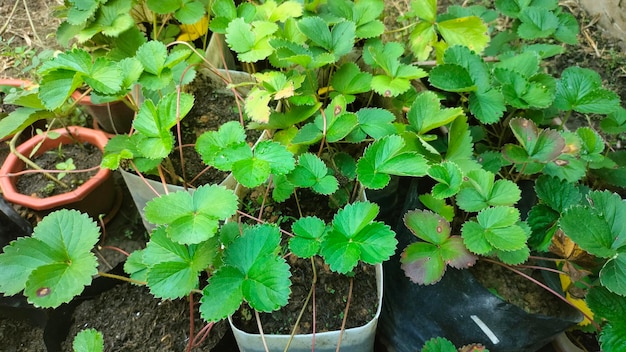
(355, 236)
(537, 22)
(312, 172)
(172, 268)
(449, 177)
(252, 271)
(53, 265)
(426, 113)
(309, 232)
(386, 157)
(192, 218)
(580, 89)
(223, 147)
(481, 192)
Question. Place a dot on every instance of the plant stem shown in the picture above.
(191, 321)
(115, 249)
(258, 323)
(31, 163)
(121, 278)
(345, 314)
(306, 303)
(545, 287)
(8, 19)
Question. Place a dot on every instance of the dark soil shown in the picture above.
(211, 109)
(20, 336)
(517, 289)
(331, 297)
(131, 319)
(331, 290)
(84, 156)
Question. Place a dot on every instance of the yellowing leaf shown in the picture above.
(578, 302)
(469, 31)
(191, 32)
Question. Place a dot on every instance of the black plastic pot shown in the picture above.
(458, 308)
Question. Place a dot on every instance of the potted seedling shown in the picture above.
(515, 134)
(50, 101)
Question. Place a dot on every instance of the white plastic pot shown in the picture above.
(359, 339)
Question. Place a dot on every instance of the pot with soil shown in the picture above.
(467, 306)
(94, 193)
(184, 167)
(112, 117)
(325, 308)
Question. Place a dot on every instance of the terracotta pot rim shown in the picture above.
(12, 165)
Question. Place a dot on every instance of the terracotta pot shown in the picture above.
(96, 196)
(113, 117)
(15, 82)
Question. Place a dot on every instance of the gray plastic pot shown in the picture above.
(358, 339)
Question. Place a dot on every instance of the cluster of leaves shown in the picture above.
(111, 26)
(156, 70)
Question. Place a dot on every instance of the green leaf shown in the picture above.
(438, 344)
(536, 23)
(488, 106)
(268, 157)
(557, 194)
(496, 229)
(252, 271)
(606, 304)
(613, 336)
(426, 113)
(312, 172)
(53, 265)
(580, 89)
(309, 232)
(449, 178)
(422, 38)
(452, 78)
(376, 122)
(481, 192)
(154, 123)
(542, 221)
(568, 28)
(427, 226)
(88, 340)
(614, 123)
(589, 230)
(460, 145)
(355, 236)
(397, 76)
(250, 41)
(152, 56)
(386, 157)
(468, 31)
(425, 9)
(613, 274)
(192, 218)
(349, 79)
(173, 269)
(439, 206)
(472, 62)
(223, 147)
